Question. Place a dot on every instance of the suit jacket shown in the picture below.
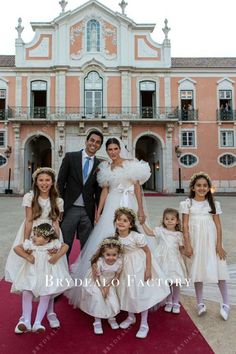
(70, 183)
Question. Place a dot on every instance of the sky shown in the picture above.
(203, 28)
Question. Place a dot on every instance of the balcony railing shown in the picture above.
(224, 115)
(76, 113)
(188, 115)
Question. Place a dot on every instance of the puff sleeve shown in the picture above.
(60, 204)
(27, 199)
(103, 174)
(140, 239)
(218, 208)
(27, 245)
(138, 171)
(184, 206)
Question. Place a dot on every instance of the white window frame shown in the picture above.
(5, 138)
(220, 138)
(188, 131)
(226, 166)
(188, 166)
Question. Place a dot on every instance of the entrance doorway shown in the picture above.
(37, 154)
(148, 148)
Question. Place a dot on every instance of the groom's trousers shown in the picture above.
(77, 221)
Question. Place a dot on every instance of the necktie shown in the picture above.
(86, 168)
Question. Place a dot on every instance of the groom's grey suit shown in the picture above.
(78, 219)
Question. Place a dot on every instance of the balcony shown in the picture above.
(225, 116)
(188, 115)
(79, 113)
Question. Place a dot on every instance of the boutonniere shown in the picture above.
(96, 170)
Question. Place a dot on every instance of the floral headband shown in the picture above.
(43, 170)
(110, 241)
(126, 210)
(43, 232)
(200, 174)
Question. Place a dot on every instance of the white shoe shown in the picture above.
(22, 326)
(97, 328)
(168, 307)
(224, 311)
(112, 322)
(201, 309)
(53, 320)
(127, 322)
(176, 308)
(142, 332)
(38, 328)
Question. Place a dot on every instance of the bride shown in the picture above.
(120, 180)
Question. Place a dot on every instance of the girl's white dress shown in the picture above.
(204, 265)
(92, 300)
(14, 262)
(120, 181)
(169, 257)
(134, 293)
(42, 278)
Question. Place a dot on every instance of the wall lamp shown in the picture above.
(178, 151)
(8, 151)
(60, 151)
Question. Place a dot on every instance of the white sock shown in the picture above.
(50, 306)
(176, 294)
(199, 292)
(27, 298)
(224, 291)
(42, 308)
(144, 316)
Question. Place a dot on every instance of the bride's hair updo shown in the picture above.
(112, 141)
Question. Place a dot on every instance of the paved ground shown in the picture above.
(219, 334)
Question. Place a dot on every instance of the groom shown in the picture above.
(77, 184)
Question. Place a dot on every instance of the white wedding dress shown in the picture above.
(120, 181)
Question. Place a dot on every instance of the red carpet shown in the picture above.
(169, 334)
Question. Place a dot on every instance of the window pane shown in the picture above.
(188, 160)
(228, 159)
(2, 94)
(3, 160)
(2, 139)
(227, 138)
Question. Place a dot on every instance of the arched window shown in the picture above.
(93, 93)
(93, 36)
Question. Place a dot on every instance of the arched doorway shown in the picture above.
(148, 148)
(37, 154)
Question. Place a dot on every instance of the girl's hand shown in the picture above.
(147, 275)
(53, 251)
(220, 252)
(188, 251)
(105, 292)
(53, 259)
(30, 258)
(97, 217)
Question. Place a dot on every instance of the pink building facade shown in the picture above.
(95, 68)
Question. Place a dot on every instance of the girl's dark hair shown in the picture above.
(209, 195)
(130, 215)
(112, 141)
(46, 231)
(107, 243)
(176, 214)
(54, 213)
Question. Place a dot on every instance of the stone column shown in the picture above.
(18, 181)
(168, 185)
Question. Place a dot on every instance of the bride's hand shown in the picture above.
(141, 217)
(97, 217)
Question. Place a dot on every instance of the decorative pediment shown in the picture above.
(41, 50)
(145, 50)
(226, 81)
